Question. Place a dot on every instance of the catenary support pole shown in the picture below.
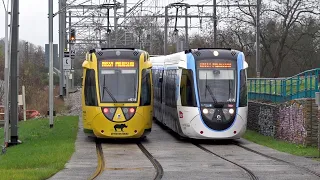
(70, 81)
(258, 39)
(186, 29)
(62, 46)
(166, 30)
(6, 79)
(215, 23)
(51, 104)
(177, 41)
(115, 25)
(14, 73)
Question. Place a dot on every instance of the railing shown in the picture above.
(303, 85)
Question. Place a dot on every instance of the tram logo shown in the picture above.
(219, 117)
(119, 126)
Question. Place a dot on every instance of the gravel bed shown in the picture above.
(74, 101)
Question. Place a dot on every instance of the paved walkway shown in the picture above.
(84, 160)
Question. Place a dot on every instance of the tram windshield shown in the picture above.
(118, 85)
(217, 85)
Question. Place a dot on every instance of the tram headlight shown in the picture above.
(231, 111)
(205, 111)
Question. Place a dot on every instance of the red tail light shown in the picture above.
(108, 112)
(131, 110)
(105, 110)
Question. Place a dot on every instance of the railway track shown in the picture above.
(156, 164)
(249, 172)
(280, 160)
(101, 162)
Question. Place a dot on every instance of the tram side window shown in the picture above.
(90, 88)
(156, 85)
(243, 100)
(187, 94)
(145, 98)
(170, 88)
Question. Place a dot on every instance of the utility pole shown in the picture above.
(14, 73)
(258, 39)
(215, 23)
(51, 104)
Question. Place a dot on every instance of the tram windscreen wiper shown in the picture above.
(229, 88)
(209, 89)
(211, 94)
(105, 88)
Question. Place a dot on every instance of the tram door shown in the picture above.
(163, 96)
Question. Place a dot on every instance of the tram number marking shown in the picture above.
(124, 64)
(119, 133)
(185, 125)
(107, 64)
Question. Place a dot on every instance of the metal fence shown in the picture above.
(302, 85)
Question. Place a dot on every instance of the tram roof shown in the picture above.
(175, 59)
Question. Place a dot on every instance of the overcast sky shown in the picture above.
(33, 18)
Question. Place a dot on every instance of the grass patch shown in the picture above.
(43, 151)
(280, 145)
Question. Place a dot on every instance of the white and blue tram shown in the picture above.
(202, 93)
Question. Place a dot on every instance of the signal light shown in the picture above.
(72, 34)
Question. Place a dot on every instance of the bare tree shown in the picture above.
(278, 37)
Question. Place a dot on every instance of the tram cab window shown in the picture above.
(145, 98)
(187, 89)
(90, 88)
(243, 100)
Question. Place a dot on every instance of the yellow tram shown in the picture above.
(117, 93)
